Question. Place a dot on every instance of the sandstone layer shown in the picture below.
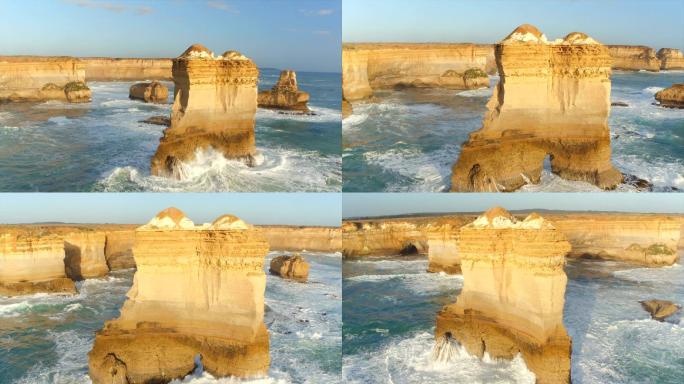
(119, 249)
(126, 69)
(33, 78)
(670, 58)
(361, 239)
(347, 109)
(672, 97)
(293, 267)
(84, 255)
(32, 263)
(285, 94)
(634, 58)
(294, 238)
(513, 294)
(198, 290)
(553, 100)
(154, 92)
(214, 107)
(370, 66)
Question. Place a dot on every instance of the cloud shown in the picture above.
(112, 7)
(317, 12)
(222, 6)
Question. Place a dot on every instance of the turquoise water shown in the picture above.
(409, 139)
(46, 338)
(102, 146)
(390, 306)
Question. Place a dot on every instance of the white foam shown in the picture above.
(480, 92)
(652, 90)
(14, 309)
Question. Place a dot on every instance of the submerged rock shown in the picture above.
(154, 92)
(292, 267)
(619, 104)
(672, 97)
(513, 293)
(285, 94)
(157, 120)
(556, 105)
(197, 291)
(660, 309)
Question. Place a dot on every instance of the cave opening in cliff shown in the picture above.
(409, 249)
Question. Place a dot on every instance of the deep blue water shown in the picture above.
(102, 146)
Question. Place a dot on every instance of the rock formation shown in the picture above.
(670, 58)
(84, 255)
(33, 78)
(443, 255)
(294, 238)
(32, 263)
(154, 92)
(347, 109)
(367, 238)
(119, 250)
(370, 66)
(122, 69)
(513, 294)
(198, 290)
(660, 309)
(292, 267)
(553, 100)
(672, 97)
(633, 58)
(214, 106)
(285, 94)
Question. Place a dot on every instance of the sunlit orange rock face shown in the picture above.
(670, 58)
(197, 291)
(513, 294)
(285, 94)
(214, 107)
(36, 78)
(634, 58)
(553, 100)
(32, 263)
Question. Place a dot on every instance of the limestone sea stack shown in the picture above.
(33, 78)
(285, 95)
(293, 267)
(154, 92)
(670, 58)
(84, 255)
(513, 294)
(32, 263)
(633, 58)
(197, 291)
(553, 99)
(672, 97)
(214, 107)
(119, 250)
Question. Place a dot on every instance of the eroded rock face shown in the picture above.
(285, 94)
(154, 92)
(443, 254)
(214, 107)
(119, 250)
(32, 263)
(198, 290)
(370, 66)
(672, 97)
(660, 309)
(294, 238)
(382, 238)
(34, 78)
(553, 99)
(84, 255)
(126, 69)
(670, 58)
(513, 294)
(634, 58)
(292, 267)
(347, 109)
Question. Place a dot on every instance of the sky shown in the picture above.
(137, 208)
(655, 23)
(304, 35)
(382, 204)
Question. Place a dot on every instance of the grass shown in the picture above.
(473, 73)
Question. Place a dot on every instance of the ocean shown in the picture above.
(102, 146)
(390, 306)
(46, 338)
(408, 140)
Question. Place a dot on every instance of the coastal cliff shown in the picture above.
(292, 238)
(285, 95)
(513, 294)
(34, 78)
(633, 58)
(670, 58)
(383, 238)
(213, 309)
(370, 66)
(32, 263)
(214, 107)
(84, 255)
(553, 100)
(119, 249)
(126, 69)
